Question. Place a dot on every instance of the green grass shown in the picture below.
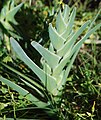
(83, 88)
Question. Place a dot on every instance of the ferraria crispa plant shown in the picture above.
(56, 60)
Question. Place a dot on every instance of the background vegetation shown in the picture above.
(82, 93)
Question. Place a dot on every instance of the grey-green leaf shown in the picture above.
(51, 58)
(70, 42)
(66, 12)
(22, 91)
(60, 24)
(79, 43)
(44, 77)
(10, 15)
(70, 24)
(56, 39)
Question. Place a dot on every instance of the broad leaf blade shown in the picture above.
(32, 88)
(79, 43)
(46, 67)
(70, 42)
(51, 82)
(51, 48)
(61, 65)
(22, 91)
(60, 24)
(16, 87)
(51, 58)
(69, 66)
(23, 76)
(10, 15)
(66, 12)
(55, 38)
(27, 60)
(77, 48)
(70, 24)
(74, 51)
